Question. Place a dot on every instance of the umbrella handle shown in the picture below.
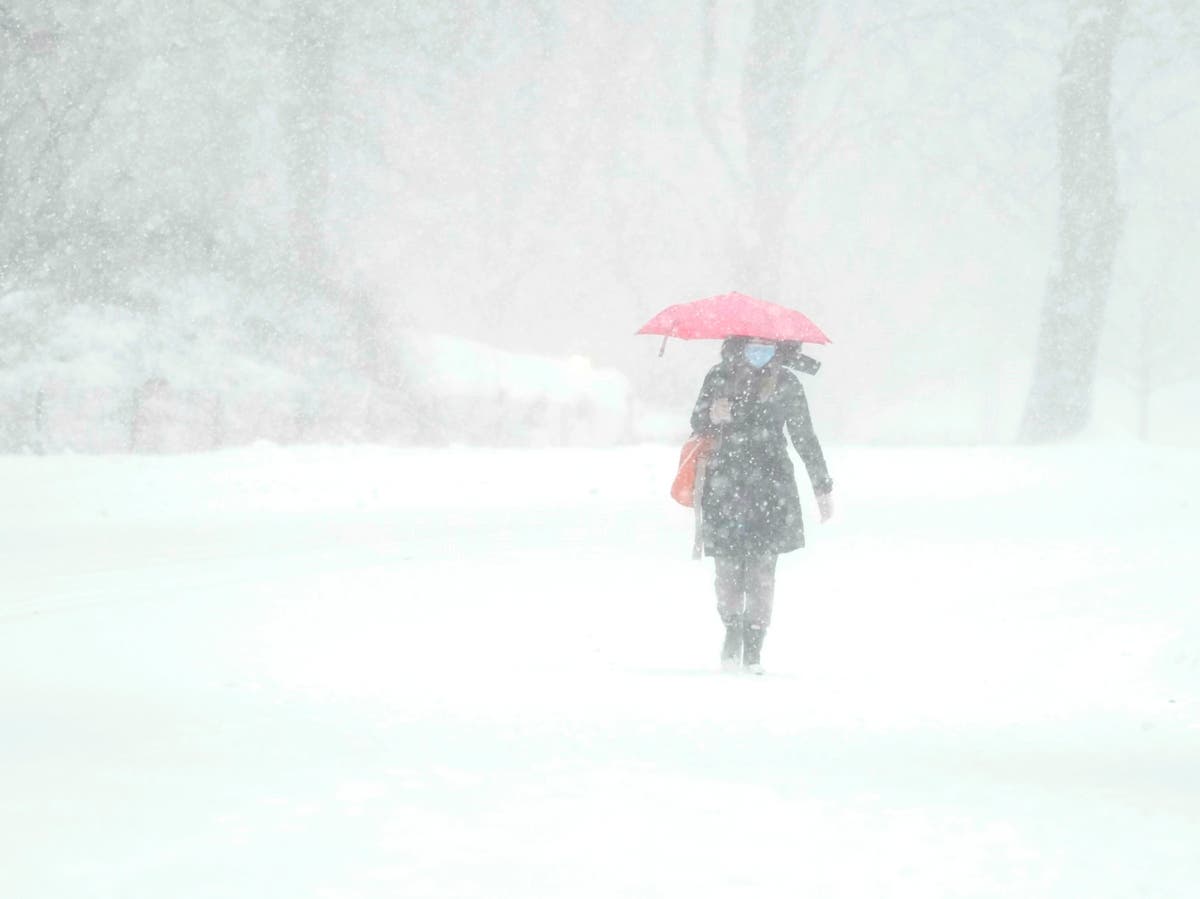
(662, 349)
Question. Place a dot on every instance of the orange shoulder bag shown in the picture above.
(694, 453)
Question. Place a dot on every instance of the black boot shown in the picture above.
(731, 649)
(752, 642)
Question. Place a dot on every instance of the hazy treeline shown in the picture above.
(223, 220)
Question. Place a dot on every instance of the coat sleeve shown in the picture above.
(701, 423)
(804, 438)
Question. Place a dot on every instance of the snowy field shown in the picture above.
(368, 672)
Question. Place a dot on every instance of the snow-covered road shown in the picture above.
(365, 672)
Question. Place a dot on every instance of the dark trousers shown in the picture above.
(746, 589)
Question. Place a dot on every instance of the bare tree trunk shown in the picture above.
(10, 32)
(1060, 399)
(39, 421)
(781, 35)
(311, 55)
(1144, 371)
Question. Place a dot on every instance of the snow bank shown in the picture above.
(200, 364)
(475, 393)
(193, 364)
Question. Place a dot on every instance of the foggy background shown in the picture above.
(428, 222)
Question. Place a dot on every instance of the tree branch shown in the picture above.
(704, 113)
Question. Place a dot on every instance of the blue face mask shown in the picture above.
(759, 354)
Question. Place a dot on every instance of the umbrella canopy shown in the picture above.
(733, 315)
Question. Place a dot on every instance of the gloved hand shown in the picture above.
(721, 411)
(825, 504)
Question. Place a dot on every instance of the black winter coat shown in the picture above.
(750, 505)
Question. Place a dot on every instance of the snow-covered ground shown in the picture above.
(368, 672)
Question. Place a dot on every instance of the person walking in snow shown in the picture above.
(750, 505)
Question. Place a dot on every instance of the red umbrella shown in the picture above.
(733, 315)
